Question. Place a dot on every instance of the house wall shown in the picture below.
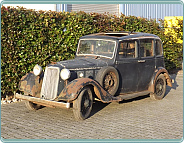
(97, 8)
(152, 11)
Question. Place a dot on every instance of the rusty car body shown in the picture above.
(109, 67)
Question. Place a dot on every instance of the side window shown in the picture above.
(158, 48)
(146, 48)
(127, 49)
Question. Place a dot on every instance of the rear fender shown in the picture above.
(157, 72)
(31, 84)
(73, 89)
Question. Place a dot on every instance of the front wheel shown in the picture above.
(32, 106)
(83, 104)
(160, 88)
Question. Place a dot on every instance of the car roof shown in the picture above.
(120, 35)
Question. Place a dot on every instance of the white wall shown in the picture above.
(37, 7)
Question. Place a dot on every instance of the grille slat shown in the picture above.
(50, 83)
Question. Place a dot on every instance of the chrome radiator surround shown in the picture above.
(50, 83)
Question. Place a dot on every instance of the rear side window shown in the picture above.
(158, 48)
(146, 48)
(127, 49)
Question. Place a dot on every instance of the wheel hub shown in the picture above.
(86, 103)
(159, 87)
(109, 81)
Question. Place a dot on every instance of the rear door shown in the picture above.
(146, 63)
(127, 65)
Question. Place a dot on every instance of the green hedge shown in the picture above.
(31, 37)
(173, 51)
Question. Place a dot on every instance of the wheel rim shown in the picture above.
(159, 87)
(110, 81)
(85, 103)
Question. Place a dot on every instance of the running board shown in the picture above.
(133, 95)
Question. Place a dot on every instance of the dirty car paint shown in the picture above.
(31, 84)
(156, 74)
(72, 90)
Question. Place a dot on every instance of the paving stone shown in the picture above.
(139, 118)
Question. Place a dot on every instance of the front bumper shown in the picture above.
(43, 101)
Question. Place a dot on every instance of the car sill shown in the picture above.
(133, 95)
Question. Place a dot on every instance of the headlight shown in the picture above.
(65, 74)
(37, 70)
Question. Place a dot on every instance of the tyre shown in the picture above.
(83, 104)
(108, 78)
(160, 88)
(32, 106)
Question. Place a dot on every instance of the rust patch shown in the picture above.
(31, 84)
(157, 73)
(37, 87)
(72, 90)
(168, 79)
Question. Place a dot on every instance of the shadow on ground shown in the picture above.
(174, 84)
(97, 105)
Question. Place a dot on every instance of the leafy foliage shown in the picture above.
(173, 43)
(31, 37)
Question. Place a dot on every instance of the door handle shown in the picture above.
(141, 61)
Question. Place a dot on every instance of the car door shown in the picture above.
(127, 65)
(146, 63)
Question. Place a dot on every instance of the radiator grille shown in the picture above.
(50, 83)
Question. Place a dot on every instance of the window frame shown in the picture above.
(136, 49)
(153, 47)
(95, 39)
(161, 48)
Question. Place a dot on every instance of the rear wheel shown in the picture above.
(32, 106)
(160, 88)
(83, 104)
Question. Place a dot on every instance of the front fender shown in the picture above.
(158, 71)
(31, 84)
(73, 89)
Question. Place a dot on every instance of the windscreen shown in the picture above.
(96, 47)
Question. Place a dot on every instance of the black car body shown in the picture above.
(109, 66)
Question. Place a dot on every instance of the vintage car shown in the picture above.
(110, 67)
